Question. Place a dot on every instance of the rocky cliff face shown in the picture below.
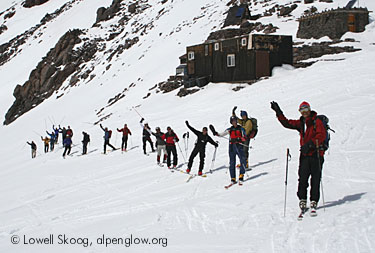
(32, 3)
(60, 62)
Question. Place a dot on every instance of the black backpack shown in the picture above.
(325, 121)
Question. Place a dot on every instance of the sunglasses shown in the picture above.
(304, 109)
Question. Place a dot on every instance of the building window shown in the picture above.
(217, 46)
(191, 56)
(206, 50)
(243, 42)
(231, 60)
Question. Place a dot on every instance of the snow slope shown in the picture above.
(122, 194)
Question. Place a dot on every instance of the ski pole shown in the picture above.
(250, 147)
(213, 160)
(137, 112)
(181, 151)
(187, 143)
(62, 121)
(288, 158)
(321, 177)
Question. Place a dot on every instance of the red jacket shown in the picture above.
(306, 129)
(125, 131)
(169, 138)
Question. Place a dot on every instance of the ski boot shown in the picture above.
(240, 179)
(313, 206)
(200, 173)
(188, 170)
(302, 205)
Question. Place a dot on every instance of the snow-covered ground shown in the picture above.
(122, 194)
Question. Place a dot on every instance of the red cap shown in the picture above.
(304, 104)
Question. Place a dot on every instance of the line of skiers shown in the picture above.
(312, 130)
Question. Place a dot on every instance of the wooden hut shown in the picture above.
(239, 59)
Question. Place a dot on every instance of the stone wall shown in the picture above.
(333, 23)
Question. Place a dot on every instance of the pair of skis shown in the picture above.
(240, 183)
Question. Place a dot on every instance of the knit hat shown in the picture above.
(304, 105)
(243, 113)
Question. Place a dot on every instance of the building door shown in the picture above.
(351, 23)
(191, 68)
(262, 67)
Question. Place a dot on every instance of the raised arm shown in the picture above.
(192, 128)
(291, 124)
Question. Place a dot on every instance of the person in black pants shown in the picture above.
(170, 139)
(312, 135)
(146, 136)
(85, 141)
(68, 145)
(107, 137)
(200, 147)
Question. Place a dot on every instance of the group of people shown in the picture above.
(49, 142)
(242, 130)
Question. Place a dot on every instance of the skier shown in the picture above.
(56, 131)
(200, 147)
(63, 133)
(68, 145)
(171, 138)
(237, 137)
(160, 146)
(311, 130)
(46, 143)
(33, 149)
(107, 137)
(125, 132)
(85, 141)
(146, 136)
(246, 123)
(52, 140)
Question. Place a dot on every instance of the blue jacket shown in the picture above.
(52, 135)
(68, 142)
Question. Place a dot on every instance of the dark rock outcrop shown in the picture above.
(32, 3)
(12, 47)
(286, 10)
(59, 63)
(3, 28)
(103, 14)
(316, 50)
(132, 8)
(184, 92)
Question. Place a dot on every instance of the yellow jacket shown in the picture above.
(45, 140)
(247, 124)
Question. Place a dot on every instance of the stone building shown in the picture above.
(333, 23)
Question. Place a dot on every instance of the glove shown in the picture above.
(186, 122)
(217, 144)
(276, 108)
(234, 110)
(142, 120)
(307, 147)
